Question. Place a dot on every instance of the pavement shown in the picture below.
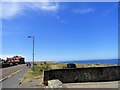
(112, 84)
(35, 83)
(11, 76)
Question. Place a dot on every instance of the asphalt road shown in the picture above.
(13, 81)
(9, 70)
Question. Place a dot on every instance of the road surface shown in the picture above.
(9, 70)
(14, 74)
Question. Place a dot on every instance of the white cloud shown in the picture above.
(83, 11)
(44, 6)
(9, 10)
(48, 6)
(12, 9)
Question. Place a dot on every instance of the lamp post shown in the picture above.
(33, 49)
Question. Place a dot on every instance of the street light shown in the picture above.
(33, 49)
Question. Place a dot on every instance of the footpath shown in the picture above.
(35, 83)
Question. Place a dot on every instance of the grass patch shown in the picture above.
(32, 74)
(38, 70)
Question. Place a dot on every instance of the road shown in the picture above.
(8, 71)
(14, 74)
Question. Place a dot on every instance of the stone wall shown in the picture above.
(94, 74)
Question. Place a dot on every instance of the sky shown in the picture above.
(62, 30)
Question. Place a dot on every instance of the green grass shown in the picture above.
(32, 74)
(38, 71)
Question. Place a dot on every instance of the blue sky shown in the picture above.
(63, 31)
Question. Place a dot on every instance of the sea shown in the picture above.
(101, 61)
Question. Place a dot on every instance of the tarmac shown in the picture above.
(12, 80)
(10, 71)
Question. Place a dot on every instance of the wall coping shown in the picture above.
(83, 68)
(55, 84)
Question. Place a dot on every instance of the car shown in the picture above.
(71, 65)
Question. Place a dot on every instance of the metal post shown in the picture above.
(33, 53)
(33, 49)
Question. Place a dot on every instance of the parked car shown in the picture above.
(71, 65)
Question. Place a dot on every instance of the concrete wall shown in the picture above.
(83, 74)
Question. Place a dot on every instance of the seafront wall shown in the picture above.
(94, 74)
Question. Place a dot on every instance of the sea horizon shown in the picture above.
(95, 61)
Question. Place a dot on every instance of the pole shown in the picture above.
(33, 53)
(33, 50)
